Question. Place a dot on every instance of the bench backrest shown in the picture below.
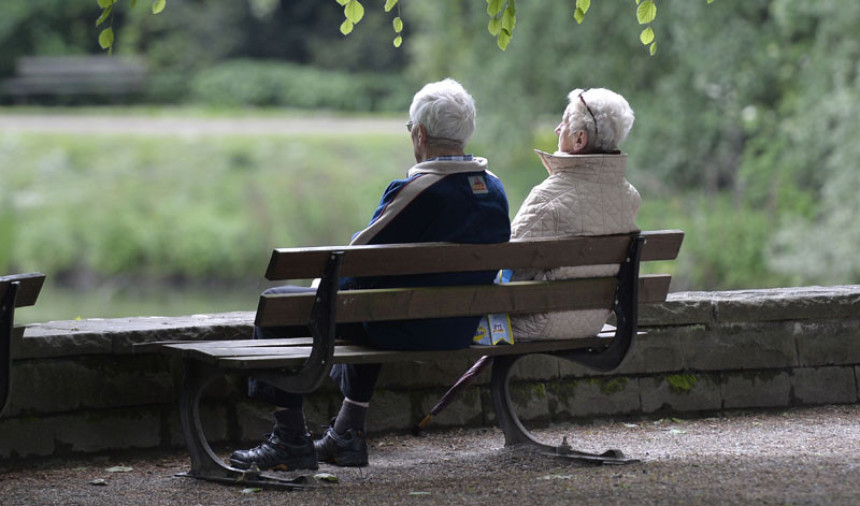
(518, 297)
(28, 287)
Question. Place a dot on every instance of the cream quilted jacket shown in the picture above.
(583, 195)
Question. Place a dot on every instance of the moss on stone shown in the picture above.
(681, 383)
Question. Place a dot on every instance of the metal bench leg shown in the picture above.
(205, 464)
(517, 435)
(7, 317)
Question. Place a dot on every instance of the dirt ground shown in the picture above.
(798, 456)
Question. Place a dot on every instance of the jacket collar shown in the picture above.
(445, 167)
(610, 166)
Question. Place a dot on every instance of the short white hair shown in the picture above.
(604, 114)
(446, 110)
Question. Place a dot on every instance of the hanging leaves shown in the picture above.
(503, 19)
(646, 13)
(502, 14)
(582, 7)
(106, 35)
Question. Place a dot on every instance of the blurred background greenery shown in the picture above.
(746, 137)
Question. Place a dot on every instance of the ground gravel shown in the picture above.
(797, 456)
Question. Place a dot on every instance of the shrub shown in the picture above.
(259, 83)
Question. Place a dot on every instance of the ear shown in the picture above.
(421, 134)
(580, 141)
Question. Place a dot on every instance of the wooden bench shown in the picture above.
(18, 290)
(51, 76)
(301, 364)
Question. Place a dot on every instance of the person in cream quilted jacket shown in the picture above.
(585, 193)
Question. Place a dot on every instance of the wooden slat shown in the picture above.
(30, 286)
(436, 302)
(273, 357)
(399, 259)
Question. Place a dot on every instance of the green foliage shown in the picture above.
(208, 208)
(260, 83)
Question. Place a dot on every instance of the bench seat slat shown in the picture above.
(254, 357)
(436, 302)
(399, 259)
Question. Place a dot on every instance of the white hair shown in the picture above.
(446, 110)
(604, 114)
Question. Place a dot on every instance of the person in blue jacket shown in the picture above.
(447, 196)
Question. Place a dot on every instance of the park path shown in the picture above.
(175, 125)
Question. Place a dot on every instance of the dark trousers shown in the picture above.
(356, 381)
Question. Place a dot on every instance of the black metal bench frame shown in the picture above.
(593, 353)
(15, 291)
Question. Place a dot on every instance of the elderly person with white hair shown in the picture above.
(586, 193)
(447, 196)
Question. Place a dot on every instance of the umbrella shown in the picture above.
(456, 389)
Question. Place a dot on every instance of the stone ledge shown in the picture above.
(119, 335)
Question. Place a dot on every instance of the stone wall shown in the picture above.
(80, 387)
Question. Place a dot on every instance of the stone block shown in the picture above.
(531, 401)
(536, 368)
(390, 411)
(740, 346)
(67, 384)
(46, 340)
(108, 430)
(30, 436)
(824, 385)
(599, 396)
(755, 389)
(215, 418)
(658, 351)
(796, 303)
(118, 335)
(465, 410)
(680, 392)
(681, 308)
(413, 375)
(827, 342)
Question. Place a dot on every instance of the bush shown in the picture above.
(258, 83)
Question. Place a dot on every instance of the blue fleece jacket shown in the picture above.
(439, 201)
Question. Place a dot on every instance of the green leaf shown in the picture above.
(504, 39)
(389, 4)
(104, 4)
(132, 3)
(495, 6)
(158, 6)
(647, 36)
(346, 27)
(398, 24)
(354, 11)
(343, 2)
(326, 477)
(583, 5)
(710, 1)
(495, 27)
(397, 41)
(646, 12)
(106, 38)
(509, 19)
(653, 48)
(579, 15)
(105, 13)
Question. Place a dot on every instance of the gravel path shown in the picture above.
(192, 126)
(799, 456)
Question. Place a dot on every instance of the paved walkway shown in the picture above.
(196, 125)
(801, 456)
